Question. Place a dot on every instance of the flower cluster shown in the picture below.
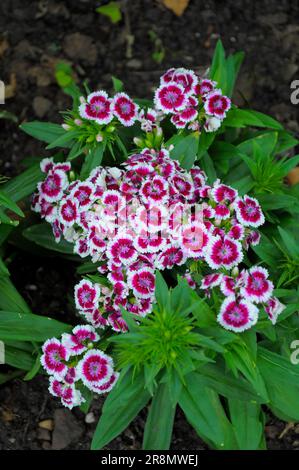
(152, 214)
(100, 108)
(243, 291)
(74, 362)
(192, 101)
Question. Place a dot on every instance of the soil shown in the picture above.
(34, 36)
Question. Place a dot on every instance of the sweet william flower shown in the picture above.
(170, 97)
(217, 104)
(257, 286)
(97, 108)
(68, 394)
(143, 283)
(54, 357)
(212, 124)
(273, 309)
(87, 295)
(106, 386)
(237, 314)
(249, 212)
(78, 341)
(95, 368)
(125, 109)
(223, 252)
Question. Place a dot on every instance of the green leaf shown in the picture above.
(29, 327)
(112, 11)
(117, 84)
(93, 159)
(233, 65)
(20, 359)
(64, 140)
(88, 396)
(123, 403)
(9, 116)
(223, 382)
(10, 299)
(45, 131)
(42, 235)
(218, 67)
(244, 117)
(290, 242)
(24, 184)
(205, 413)
(75, 151)
(248, 423)
(205, 141)
(7, 202)
(208, 166)
(289, 164)
(3, 269)
(35, 368)
(161, 291)
(159, 423)
(185, 150)
(282, 381)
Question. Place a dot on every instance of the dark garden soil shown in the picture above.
(34, 36)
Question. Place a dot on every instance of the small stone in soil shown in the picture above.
(43, 435)
(66, 429)
(90, 418)
(41, 106)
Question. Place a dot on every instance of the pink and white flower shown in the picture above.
(107, 386)
(69, 396)
(187, 79)
(80, 338)
(205, 87)
(125, 109)
(249, 212)
(170, 98)
(170, 256)
(122, 250)
(154, 190)
(83, 193)
(87, 295)
(223, 252)
(54, 357)
(273, 309)
(142, 283)
(223, 193)
(252, 239)
(97, 108)
(211, 280)
(68, 212)
(95, 368)
(53, 186)
(237, 315)
(257, 286)
(212, 124)
(217, 104)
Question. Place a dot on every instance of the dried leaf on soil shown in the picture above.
(10, 88)
(3, 46)
(177, 6)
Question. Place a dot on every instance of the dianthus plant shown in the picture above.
(138, 196)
